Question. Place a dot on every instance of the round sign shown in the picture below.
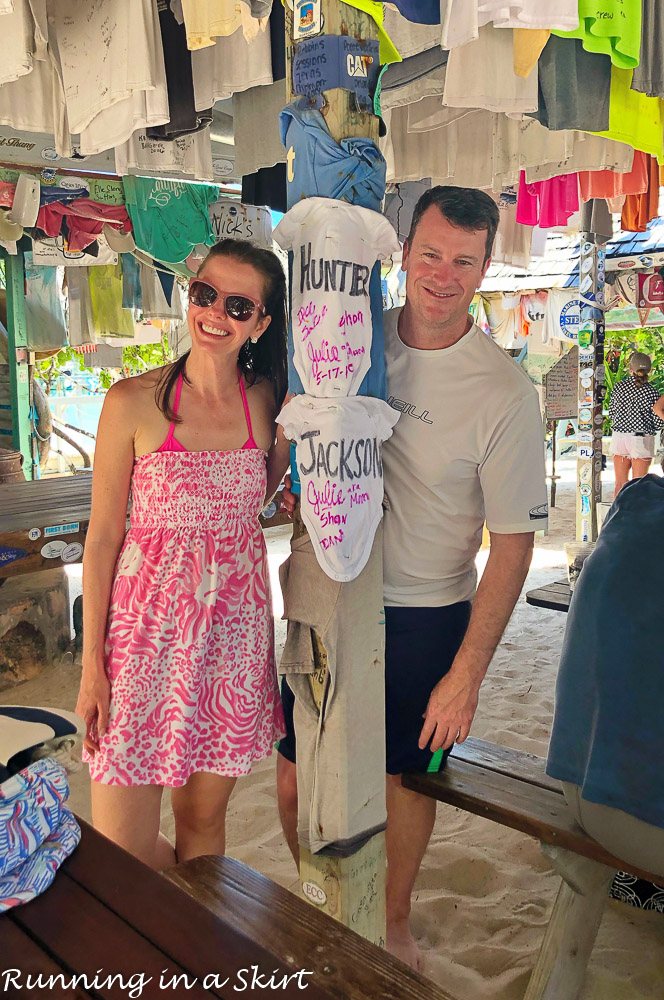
(585, 491)
(585, 472)
(72, 552)
(585, 437)
(585, 414)
(314, 893)
(34, 534)
(53, 550)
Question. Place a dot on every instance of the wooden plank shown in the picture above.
(504, 760)
(536, 811)
(554, 597)
(86, 936)
(19, 951)
(182, 928)
(34, 561)
(344, 964)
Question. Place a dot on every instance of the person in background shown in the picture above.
(468, 448)
(636, 412)
(179, 686)
(607, 743)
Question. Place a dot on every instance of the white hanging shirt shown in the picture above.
(189, 154)
(334, 248)
(462, 19)
(480, 74)
(338, 453)
(231, 65)
(113, 70)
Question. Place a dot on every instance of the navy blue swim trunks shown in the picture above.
(420, 646)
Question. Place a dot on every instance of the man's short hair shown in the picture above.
(466, 208)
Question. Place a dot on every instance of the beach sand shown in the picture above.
(484, 894)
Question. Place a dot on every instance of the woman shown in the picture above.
(179, 686)
(636, 411)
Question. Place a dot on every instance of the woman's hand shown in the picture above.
(94, 697)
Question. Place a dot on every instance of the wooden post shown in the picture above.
(19, 359)
(592, 388)
(349, 882)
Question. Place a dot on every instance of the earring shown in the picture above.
(254, 340)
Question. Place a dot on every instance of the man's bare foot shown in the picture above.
(401, 943)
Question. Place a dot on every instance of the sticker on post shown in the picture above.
(9, 554)
(34, 534)
(306, 18)
(62, 529)
(314, 893)
(53, 550)
(585, 473)
(583, 451)
(72, 552)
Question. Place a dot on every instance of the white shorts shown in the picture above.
(632, 446)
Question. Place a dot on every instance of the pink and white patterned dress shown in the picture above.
(190, 641)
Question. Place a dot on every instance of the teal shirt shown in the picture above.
(169, 217)
(608, 734)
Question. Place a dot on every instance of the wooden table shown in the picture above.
(555, 596)
(212, 917)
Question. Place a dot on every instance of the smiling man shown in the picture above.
(468, 448)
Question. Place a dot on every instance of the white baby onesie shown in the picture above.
(334, 248)
(338, 454)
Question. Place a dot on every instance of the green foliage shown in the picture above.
(136, 358)
(650, 341)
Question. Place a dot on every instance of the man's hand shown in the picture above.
(450, 711)
(288, 499)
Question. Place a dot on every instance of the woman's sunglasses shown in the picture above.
(239, 307)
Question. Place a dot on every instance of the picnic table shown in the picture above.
(554, 596)
(212, 920)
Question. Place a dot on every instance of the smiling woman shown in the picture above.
(179, 684)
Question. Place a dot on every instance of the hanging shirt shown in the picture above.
(634, 118)
(411, 37)
(561, 321)
(190, 154)
(111, 320)
(230, 65)
(85, 220)
(547, 203)
(205, 20)
(353, 169)
(630, 407)
(528, 46)
(639, 209)
(169, 217)
(81, 326)
(574, 86)
(607, 735)
(421, 11)
(648, 76)
(612, 27)
(462, 19)
(334, 249)
(44, 307)
(183, 119)
(113, 70)
(338, 454)
(480, 74)
(469, 447)
(609, 184)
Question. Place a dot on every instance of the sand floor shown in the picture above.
(485, 893)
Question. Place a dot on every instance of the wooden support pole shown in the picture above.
(348, 884)
(592, 388)
(19, 359)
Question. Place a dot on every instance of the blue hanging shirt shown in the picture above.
(608, 736)
(419, 11)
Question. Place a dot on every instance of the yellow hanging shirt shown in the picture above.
(634, 118)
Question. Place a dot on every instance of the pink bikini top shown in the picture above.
(172, 444)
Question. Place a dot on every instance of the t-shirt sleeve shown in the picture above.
(290, 419)
(384, 239)
(512, 473)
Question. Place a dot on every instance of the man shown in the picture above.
(467, 448)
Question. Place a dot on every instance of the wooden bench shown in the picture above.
(554, 596)
(512, 788)
(107, 911)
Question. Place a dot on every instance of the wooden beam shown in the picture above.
(350, 888)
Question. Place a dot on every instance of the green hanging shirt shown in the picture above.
(110, 319)
(612, 27)
(169, 217)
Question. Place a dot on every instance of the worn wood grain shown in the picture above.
(346, 966)
(515, 803)
(554, 596)
(19, 951)
(504, 760)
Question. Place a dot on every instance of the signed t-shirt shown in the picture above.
(338, 454)
(334, 248)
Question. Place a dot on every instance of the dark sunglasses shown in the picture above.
(239, 307)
